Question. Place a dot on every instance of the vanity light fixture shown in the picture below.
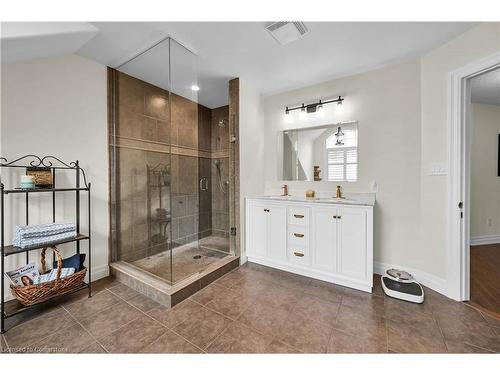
(313, 107)
(195, 88)
(302, 112)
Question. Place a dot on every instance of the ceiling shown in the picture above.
(485, 88)
(225, 50)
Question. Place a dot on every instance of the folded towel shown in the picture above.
(32, 242)
(52, 275)
(31, 235)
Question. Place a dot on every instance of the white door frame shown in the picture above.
(457, 258)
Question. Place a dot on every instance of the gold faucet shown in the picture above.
(339, 192)
(285, 190)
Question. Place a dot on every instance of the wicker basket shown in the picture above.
(33, 294)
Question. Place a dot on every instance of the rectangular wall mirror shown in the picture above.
(321, 153)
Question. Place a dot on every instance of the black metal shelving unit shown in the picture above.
(55, 164)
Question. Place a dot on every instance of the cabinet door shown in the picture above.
(324, 250)
(352, 248)
(277, 232)
(258, 219)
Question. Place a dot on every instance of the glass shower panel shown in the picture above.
(141, 163)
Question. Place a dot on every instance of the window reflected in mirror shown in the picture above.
(325, 153)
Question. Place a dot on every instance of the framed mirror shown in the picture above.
(321, 153)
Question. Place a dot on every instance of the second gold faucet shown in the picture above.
(285, 190)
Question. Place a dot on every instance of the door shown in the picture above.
(324, 224)
(277, 232)
(352, 247)
(258, 219)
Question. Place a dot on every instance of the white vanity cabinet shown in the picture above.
(326, 241)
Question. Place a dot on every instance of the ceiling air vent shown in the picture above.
(286, 32)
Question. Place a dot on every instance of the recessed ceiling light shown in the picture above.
(195, 88)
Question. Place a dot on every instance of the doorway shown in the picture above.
(462, 189)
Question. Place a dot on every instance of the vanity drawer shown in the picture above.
(298, 254)
(298, 216)
(298, 235)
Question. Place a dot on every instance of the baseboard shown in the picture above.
(433, 282)
(100, 272)
(485, 240)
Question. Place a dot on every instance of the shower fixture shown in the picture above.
(222, 185)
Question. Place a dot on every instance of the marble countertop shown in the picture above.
(356, 200)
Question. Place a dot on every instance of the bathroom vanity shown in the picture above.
(326, 239)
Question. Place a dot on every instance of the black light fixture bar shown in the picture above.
(303, 107)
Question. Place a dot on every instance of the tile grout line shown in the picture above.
(157, 321)
(86, 330)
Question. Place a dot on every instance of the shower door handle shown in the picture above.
(204, 184)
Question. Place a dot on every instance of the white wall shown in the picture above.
(58, 106)
(251, 149)
(386, 104)
(477, 43)
(485, 182)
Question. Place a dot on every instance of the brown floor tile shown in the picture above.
(237, 338)
(143, 303)
(446, 307)
(202, 327)
(170, 342)
(208, 293)
(463, 347)
(366, 302)
(134, 336)
(89, 306)
(279, 297)
(174, 316)
(470, 331)
(360, 323)
(231, 303)
(341, 342)
(263, 318)
(123, 291)
(73, 339)
(94, 348)
(290, 280)
(421, 308)
(403, 338)
(324, 290)
(405, 313)
(491, 320)
(278, 347)
(107, 321)
(34, 330)
(306, 335)
(321, 311)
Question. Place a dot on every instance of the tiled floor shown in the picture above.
(255, 309)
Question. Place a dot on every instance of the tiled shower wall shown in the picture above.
(185, 144)
(220, 151)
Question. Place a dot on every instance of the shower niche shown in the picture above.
(172, 169)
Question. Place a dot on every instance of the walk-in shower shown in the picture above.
(170, 163)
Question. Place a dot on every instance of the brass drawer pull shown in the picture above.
(337, 217)
(300, 235)
(334, 216)
(300, 255)
(298, 216)
(266, 210)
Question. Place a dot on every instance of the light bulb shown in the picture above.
(302, 115)
(195, 88)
